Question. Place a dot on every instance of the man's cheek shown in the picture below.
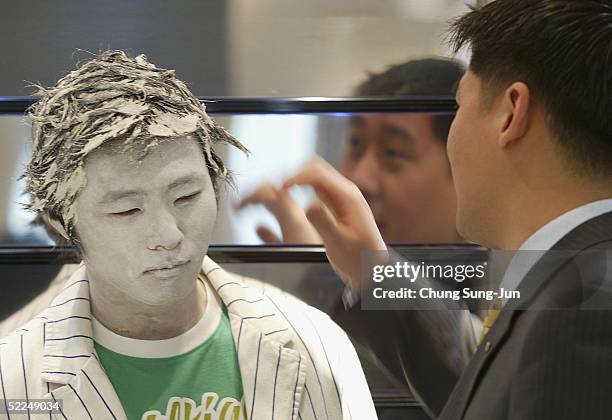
(117, 242)
(199, 227)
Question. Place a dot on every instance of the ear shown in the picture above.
(515, 107)
(56, 224)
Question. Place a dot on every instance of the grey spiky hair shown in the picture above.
(110, 97)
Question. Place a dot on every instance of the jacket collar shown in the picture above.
(247, 304)
(585, 235)
(273, 372)
(68, 341)
(591, 232)
(272, 369)
(70, 366)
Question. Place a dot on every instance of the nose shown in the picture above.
(163, 231)
(366, 174)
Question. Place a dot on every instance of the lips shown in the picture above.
(166, 267)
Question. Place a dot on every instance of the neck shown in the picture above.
(521, 220)
(134, 319)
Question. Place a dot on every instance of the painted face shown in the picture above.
(145, 225)
(474, 160)
(400, 166)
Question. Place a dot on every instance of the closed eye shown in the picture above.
(127, 212)
(187, 198)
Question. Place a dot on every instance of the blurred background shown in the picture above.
(233, 48)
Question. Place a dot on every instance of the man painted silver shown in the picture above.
(123, 167)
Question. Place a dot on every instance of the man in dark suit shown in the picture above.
(399, 163)
(530, 150)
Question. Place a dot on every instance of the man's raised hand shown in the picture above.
(342, 217)
(295, 227)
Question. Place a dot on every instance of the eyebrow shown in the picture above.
(179, 182)
(112, 196)
(394, 131)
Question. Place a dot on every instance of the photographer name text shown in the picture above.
(430, 293)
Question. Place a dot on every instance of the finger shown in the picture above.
(316, 172)
(338, 193)
(267, 235)
(279, 202)
(324, 222)
(267, 195)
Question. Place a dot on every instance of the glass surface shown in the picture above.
(280, 145)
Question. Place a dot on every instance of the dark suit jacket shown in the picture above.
(533, 364)
(549, 364)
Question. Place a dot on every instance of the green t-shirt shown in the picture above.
(177, 379)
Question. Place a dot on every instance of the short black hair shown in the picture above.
(562, 50)
(430, 77)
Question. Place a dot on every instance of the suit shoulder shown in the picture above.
(583, 282)
(558, 326)
(563, 351)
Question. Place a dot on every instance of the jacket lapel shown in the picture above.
(70, 367)
(463, 390)
(273, 372)
(593, 231)
(88, 395)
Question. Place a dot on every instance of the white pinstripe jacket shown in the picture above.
(295, 363)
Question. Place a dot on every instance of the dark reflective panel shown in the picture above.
(397, 160)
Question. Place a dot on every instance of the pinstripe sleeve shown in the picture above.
(355, 396)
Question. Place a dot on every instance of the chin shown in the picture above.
(164, 296)
(463, 228)
(474, 231)
(162, 291)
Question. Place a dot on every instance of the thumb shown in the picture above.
(324, 222)
(266, 235)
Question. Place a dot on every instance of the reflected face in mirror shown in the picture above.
(145, 225)
(400, 166)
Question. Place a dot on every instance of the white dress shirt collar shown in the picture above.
(546, 237)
